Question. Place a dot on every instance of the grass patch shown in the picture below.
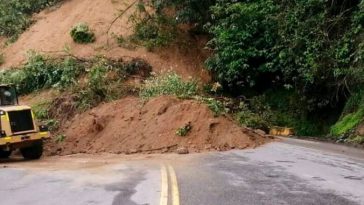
(168, 84)
(348, 122)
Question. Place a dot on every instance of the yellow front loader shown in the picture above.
(18, 127)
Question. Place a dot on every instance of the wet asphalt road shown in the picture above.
(287, 172)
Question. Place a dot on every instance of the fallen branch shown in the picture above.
(119, 16)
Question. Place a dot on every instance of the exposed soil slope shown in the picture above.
(129, 126)
(50, 34)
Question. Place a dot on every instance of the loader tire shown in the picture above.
(4, 154)
(33, 152)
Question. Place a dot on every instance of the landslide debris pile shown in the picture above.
(129, 126)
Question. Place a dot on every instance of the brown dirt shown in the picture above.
(360, 129)
(50, 34)
(129, 126)
(39, 97)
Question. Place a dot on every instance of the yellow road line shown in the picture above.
(175, 191)
(164, 186)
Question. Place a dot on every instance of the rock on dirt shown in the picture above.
(132, 126)
(360, 129)
(182, 150)
(261, 132)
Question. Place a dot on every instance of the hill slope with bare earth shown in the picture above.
(50, 34)
(127, 125)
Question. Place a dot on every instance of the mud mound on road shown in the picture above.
(129, 126)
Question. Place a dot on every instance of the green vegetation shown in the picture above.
(91, 81)
(152, 30)
(216, 106)
(15, 15)
(2, 59)
(183, 131)
(301, 61)
(309, 46)
(81, 33)
(60, 138)
(168, 84)
(40, 110)
(42, 72)
(347, 123)
(352, 115)
(297, 63)
(247, 117)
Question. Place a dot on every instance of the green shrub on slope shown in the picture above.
(81, 33)
(15, 15)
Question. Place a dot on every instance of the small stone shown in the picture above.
(360, 129)
(182, 150)
(260, 132)
(132, 151)
(208, 146)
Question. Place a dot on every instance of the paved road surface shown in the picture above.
(287, 172)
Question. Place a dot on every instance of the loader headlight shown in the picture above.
(2, 112)
(43, 128)
(3, 133)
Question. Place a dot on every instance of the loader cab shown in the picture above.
(8, 95)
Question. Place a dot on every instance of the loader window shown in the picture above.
(8, 96)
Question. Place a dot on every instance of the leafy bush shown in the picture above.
(190, 11)
(136, 66)
(168, 84)
(81, 33)
(103, 76)
(152, 30)
(104, 81)
(40, 110)
(311, 46)
(216, 106)
(250, 119)
(15, 15)
(42, 72)
(95, 90)
(52, 124)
